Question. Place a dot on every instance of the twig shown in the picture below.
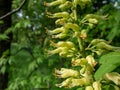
(13, 11)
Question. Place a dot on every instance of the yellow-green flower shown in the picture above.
(64, 73)
(93, 20)
(72, 82)
(79, 62)
(91, 60)
(97, 85)
(89, 88)
(113, 76)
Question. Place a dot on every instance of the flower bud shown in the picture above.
(70, 55)
(95, 41)
(72, 26)
(97, 85)
(89, 88)
(105, 46)
(58, 50)
(93, 20)
(60, 44)
(65, 83)
(79, 62)
(64, 73)
(61, 14)
(76, 2)
(68, 44)
(91, 60)
(85, 1)
(71, 82)
(63, 53)
(83, 34)
(90, 25)
(86, 70)
(61, 35)
(95, 16)
(116, 87)
(79, 82)
(61, 21)
(54, 3)
(55, 31)
(113, 76)
(65, 5)
(99, 52)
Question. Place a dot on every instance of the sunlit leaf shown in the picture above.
(108, 62)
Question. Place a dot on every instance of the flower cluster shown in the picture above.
(71, 26)
(63, 48)
(80, 77)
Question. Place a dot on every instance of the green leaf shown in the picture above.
(3, 37)
(109, 63)
(1, 22)
(3, 69)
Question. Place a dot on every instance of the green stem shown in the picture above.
(74, 11)
(80, 43)
(75, 14)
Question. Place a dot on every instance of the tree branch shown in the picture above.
(13, 11)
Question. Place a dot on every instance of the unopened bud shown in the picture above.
(105, 46)
(68, 44)
(61, 35)
(54, 3)
(72, 26)
(90, 25)
(85, 1)
(55, 31)
(61, 21)
(93, 20)
(96, 41)
(61, 14)
(58, 50)
(65, 5)
(116, 87)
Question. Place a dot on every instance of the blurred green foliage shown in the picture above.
(29, 66)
